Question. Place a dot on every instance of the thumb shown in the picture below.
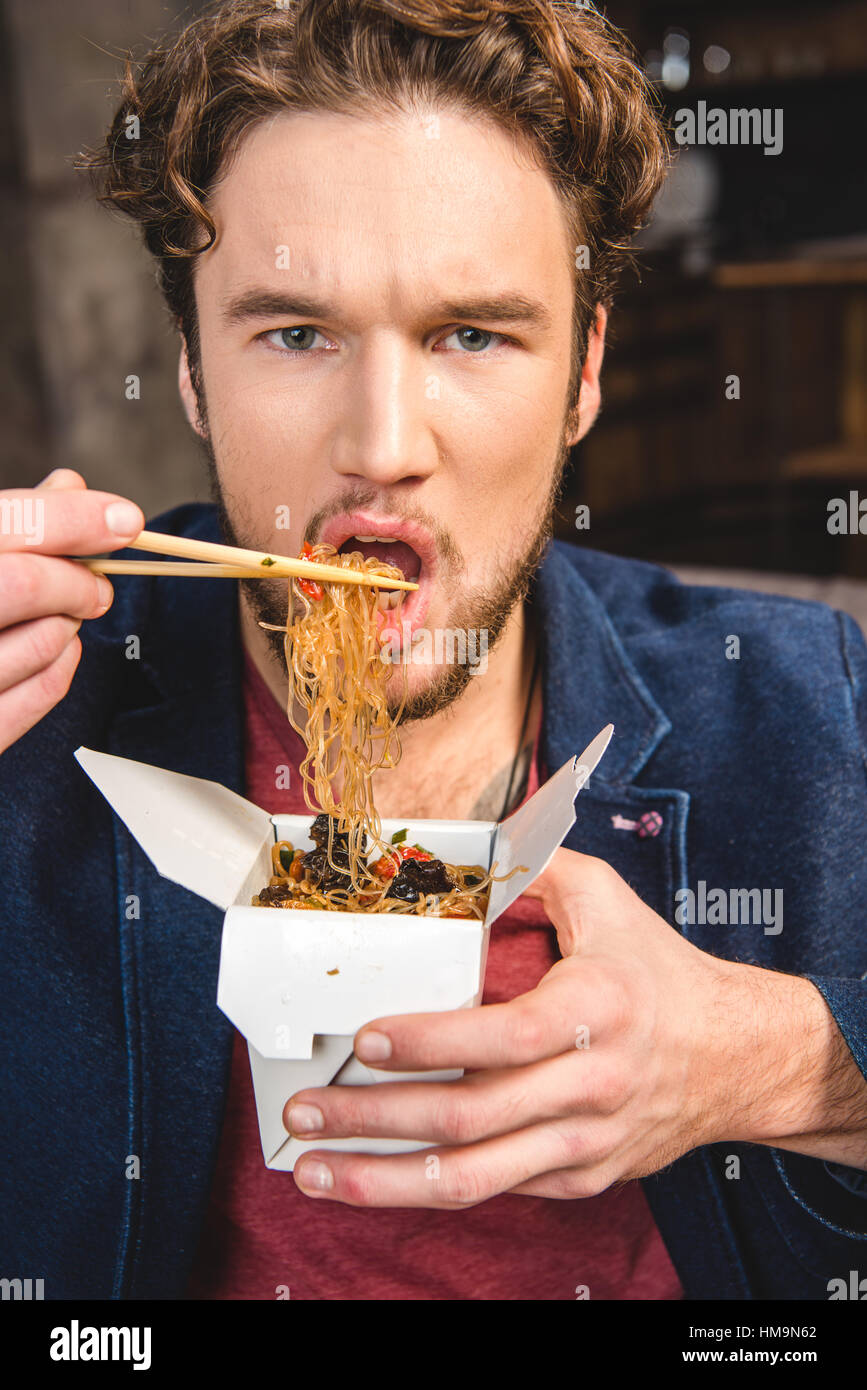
(559, 874)
(562, 887)
(553, 888)
(63, 478)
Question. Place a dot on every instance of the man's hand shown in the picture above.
(43, 597)
(634, 1048)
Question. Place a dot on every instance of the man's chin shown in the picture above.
(429, 689)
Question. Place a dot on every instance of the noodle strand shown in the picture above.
(338, 677)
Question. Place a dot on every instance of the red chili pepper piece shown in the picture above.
(309, 586)
(388, 865)
(384, 867)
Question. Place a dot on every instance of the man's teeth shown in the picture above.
(387, 599)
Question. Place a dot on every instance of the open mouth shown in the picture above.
(394, 610)
(390, 552)
(410, 548)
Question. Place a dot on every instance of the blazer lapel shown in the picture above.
(590, 681)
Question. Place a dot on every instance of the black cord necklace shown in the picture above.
(523, 731)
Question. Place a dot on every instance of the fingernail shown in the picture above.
(314, 1175)
(304, 1119)
(106, 593)
(123, 518)
(373, 1047)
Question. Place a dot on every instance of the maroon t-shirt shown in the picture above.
(262, 1232)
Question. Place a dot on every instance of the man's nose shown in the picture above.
(388, 415)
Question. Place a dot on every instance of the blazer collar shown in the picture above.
(589, 680)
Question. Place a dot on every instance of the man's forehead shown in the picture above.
(345, 195)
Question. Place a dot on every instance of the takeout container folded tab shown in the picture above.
(300, 984)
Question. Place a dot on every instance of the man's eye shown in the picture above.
(303, 337)
(298, 339)
(472, 339)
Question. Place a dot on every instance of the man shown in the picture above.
(389, 235)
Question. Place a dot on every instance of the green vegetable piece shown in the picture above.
(286, 856)
(267, 561)
(399, 836)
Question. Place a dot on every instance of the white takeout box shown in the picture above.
(299, 985)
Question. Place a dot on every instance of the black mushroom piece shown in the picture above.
(271, 896)
(315, 863)
(418, 876)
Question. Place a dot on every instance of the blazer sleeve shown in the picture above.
(832, 1192)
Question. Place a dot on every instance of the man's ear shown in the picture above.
(187, 393)
(584, 412)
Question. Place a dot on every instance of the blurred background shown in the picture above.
(735, 383)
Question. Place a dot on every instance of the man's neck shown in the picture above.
(457, 764)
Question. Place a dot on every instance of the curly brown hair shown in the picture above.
(551, 71)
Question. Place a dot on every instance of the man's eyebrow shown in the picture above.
(266, 304)
(502, 308)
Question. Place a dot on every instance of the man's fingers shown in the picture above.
(36, 586)
(447, 1178)
(44, 596)
(31, 647)
(480, 1106)
(58, 520)
(26, 703)
(572, 1004)
(565, 1184)
(62, 478)
(571, 889)
(567, 871)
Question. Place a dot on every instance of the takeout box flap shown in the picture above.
(533, 833)
(215, 843)
(196, 833)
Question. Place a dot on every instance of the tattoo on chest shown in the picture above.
(489, 805)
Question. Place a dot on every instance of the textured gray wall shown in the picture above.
(81, 307)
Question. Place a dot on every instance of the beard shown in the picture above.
(485, 610)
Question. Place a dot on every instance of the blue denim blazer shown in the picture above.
(112, 1042)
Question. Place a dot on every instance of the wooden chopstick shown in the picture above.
(249, 564)
(182, 568)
